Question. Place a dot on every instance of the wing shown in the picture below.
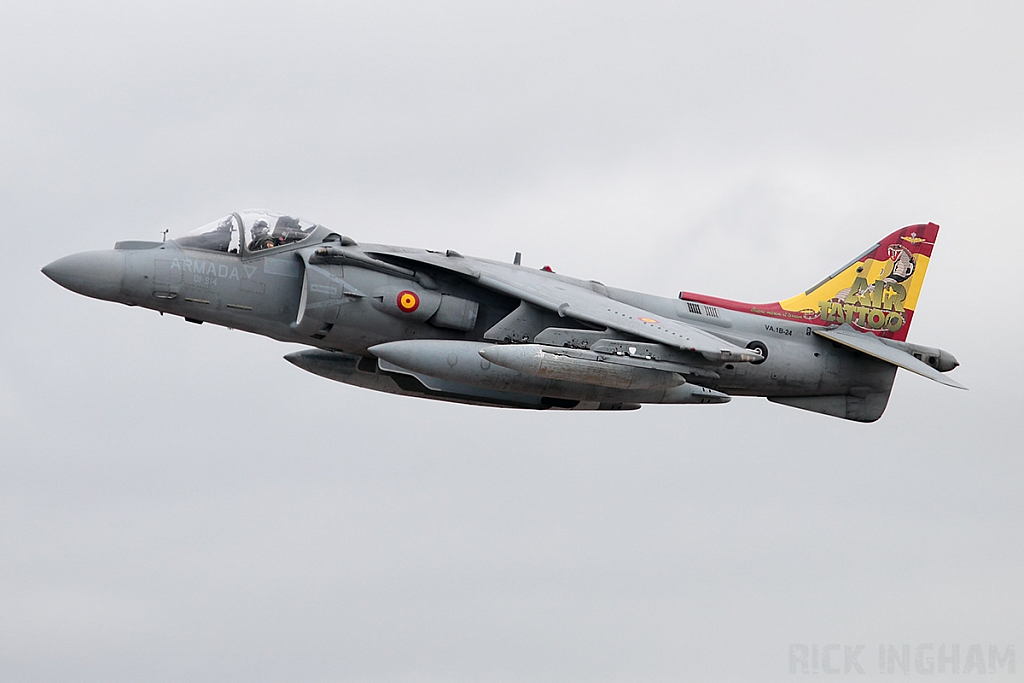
(572, 300)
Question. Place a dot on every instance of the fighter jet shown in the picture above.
(440, 325)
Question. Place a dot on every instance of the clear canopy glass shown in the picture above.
(248, 232)
(223, 235)
(267, 230)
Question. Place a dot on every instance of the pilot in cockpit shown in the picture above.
(288, 230)
(261, 237)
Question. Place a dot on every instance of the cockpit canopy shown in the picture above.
(249, 232)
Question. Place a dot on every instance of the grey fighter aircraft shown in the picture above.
(450, 327)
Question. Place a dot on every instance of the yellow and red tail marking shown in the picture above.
(877, 292)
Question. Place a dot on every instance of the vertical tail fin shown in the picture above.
(876, 292)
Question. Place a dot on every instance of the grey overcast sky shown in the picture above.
(178, 503)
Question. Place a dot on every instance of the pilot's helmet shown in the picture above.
(260, 227)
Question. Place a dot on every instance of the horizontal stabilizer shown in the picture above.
(865, 342)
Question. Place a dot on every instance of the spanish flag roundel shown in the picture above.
(408, 301)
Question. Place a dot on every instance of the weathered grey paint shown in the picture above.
(421, 323)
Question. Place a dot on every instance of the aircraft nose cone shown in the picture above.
(98, 274)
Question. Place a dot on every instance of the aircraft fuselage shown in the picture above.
(453, 328)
